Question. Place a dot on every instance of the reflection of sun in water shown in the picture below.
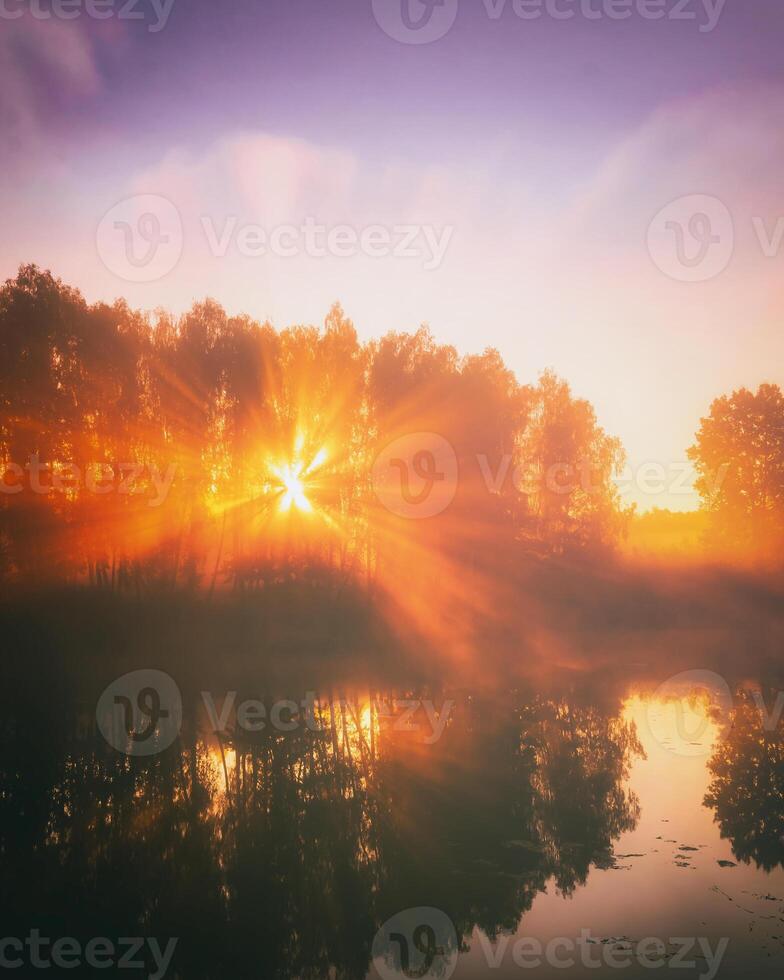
(684, 725)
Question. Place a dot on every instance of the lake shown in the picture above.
(553, 829)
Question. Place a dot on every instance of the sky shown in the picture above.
(589, 185)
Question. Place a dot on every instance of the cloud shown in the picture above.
(43, 65)
(257, 176)
(725, 142)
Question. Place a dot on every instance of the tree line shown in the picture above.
(102, 404)
(214, 450)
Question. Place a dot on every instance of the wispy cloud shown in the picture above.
(43, 65)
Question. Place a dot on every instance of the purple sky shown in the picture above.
(547, 147)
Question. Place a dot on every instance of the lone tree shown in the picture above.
(739, 457)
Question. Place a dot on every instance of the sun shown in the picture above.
(293, 485)
(293, 479)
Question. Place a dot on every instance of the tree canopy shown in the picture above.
(142, 447)
(739, 457)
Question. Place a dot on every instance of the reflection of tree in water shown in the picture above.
(583, 803)
(281, 854)
(97, 845)
(502, 808)
(747, 789)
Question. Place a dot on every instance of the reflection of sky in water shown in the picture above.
(658, 888)
(281, 841)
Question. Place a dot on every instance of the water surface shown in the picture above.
(528, 814)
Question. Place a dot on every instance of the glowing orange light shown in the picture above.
(293, 495)
(293, 479)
